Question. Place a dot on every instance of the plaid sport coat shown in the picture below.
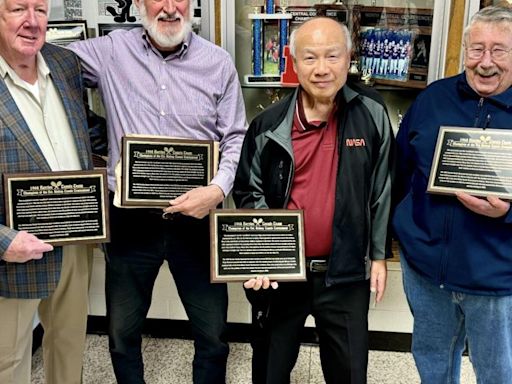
(19, 152)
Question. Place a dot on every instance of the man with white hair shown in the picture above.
(325, 149)
(43, 128)
(457, 250)
(163, 79)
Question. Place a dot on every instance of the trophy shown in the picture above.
(353, 70)
(366, 77)
(256, 7)
(270, 32)
(283, 4)
(269, 6)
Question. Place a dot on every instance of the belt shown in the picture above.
(316, 265)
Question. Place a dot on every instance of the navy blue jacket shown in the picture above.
(441, 239)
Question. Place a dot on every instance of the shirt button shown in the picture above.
(162, 113)
(164, 62)
(441, 286)
(163, 87)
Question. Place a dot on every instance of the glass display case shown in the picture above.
(398, 45)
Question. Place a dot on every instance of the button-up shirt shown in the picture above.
(192, 93)
(43, 111)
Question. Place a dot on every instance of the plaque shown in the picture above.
(257, 242)
(59, 207)
(156, 169)
(472, 160)
(336, 10)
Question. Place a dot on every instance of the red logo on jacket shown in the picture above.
(355, 143)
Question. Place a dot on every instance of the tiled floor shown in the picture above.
(169, 361)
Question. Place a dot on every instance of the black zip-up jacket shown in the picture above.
(363, 185)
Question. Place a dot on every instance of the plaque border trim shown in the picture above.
(101, 174)
(214, 213)
(163, 140)
(432, 188)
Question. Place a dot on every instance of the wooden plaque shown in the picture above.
(257, 242)
(473, 160)
(157, 169)
(59, 207)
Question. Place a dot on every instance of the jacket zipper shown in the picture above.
(447, 236)
(478, 112)
(288, 182)
(290, 174)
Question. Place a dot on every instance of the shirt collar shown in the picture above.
(179, 53)
(300, 116)
(42, 69)
(503, 99)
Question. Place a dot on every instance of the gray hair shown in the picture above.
(344, 29)
(489, 15)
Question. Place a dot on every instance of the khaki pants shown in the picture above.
(63, 316)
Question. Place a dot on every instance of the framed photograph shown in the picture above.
(420, 51)
(386, 53)
(65, 32)
(271, 48)
(254, 242)
(105, 29)
(394, 45)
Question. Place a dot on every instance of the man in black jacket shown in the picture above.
(324, 149)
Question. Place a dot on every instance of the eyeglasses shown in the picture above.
(496, 53)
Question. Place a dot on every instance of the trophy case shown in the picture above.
(398, 45)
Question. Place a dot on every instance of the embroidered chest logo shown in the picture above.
(355, 143)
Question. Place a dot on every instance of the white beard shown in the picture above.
(161, 39)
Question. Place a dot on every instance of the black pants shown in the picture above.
(341, 316)
(140, 242)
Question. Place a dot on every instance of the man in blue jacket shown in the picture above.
(457, 250)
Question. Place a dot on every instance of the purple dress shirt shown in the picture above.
(193, 93)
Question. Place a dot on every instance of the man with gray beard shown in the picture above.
(163, 79)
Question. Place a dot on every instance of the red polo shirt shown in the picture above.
(315, 151)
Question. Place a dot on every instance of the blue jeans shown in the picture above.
(140, 242)
(444, 321)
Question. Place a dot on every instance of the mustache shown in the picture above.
(487, 72)
(169, 16)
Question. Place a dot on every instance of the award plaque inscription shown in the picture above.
(249, 242)
(157, 169)
(473, 160)
(59, 207)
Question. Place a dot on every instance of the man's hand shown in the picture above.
(492, 206)
(197, 202)
(378, 276)
(25, 247)
(260, 282)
